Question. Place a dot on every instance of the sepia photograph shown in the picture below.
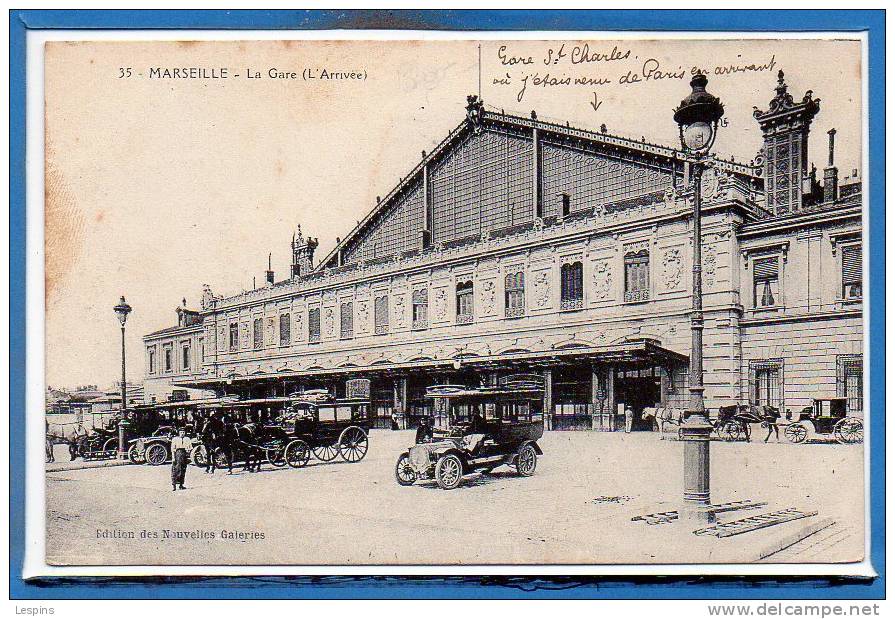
(582, 299)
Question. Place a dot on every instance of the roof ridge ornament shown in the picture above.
(475, 112)
(783, 101)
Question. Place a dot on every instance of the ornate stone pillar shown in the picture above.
(400, 388)
(548, 399)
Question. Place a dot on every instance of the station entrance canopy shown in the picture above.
(632, 353)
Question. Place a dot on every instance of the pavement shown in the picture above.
(576, 509)
(63, 461)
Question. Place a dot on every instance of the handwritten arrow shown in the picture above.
(596, 103)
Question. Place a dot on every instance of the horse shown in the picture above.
(212, 435)
(662, 417)
(242, 437)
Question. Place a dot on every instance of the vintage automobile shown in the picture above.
(486, 427)
(825, 417)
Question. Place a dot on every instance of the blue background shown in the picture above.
(872, 22)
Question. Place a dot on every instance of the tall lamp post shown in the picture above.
(122, 310)
(697, 118)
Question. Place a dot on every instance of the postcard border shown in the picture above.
(339, 587)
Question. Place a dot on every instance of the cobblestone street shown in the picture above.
(577, 508)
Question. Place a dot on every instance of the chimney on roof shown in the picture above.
(831, 174)
(268, 274)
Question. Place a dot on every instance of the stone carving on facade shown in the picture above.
(672, 269)
(541, 289)
(602, 279)
(270, 331)
(709, 265)
(207, 297)
(299, 325)
(363, 316)
(488, 297)
(400, 314)
(475, 111)
(441, 304)
(329, 322)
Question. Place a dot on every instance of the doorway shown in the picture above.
(639, 389)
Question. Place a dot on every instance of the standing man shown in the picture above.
(629, 419)
(180, 448)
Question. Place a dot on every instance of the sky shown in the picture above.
(156, 186)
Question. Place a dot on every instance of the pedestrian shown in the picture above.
(629, 419)
(180, 448)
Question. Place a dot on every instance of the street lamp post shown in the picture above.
(122, 310)
(697, 117)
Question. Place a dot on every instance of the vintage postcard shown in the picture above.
(558, 302)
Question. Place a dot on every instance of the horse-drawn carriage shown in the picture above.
(99, 444)
(734, 422)
(825, 417)
(325, 427)
(486, 427)
(306, 423)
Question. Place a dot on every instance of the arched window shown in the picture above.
(464, 302)
(514, 294)
(572, 291)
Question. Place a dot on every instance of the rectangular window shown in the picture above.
(572, 286)
(346, 321)
(234, 335)
(314, 325)
(766, 378)
(285, 329)
(637, 276)
(464, 303)
(152, 360)
(566, 205)
(380, 315)
(169, 361)
(514, 294)
(765, 277)
(421, 308)
(258, 333)
(185, 357)
(850, 381)
(852, 266)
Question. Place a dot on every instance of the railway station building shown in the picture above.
(519, 245)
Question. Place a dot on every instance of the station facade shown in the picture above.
(519, 245)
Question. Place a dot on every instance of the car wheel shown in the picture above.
(136, 455)
(404, 473)
(449, 472)
(849, 430)
(156, 454)
(527, 461)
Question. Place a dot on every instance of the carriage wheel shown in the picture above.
(156, 454)
(796, 433)
(136, 455)
(449, 472)
(849, 430)
(220, 459)
(527, 461)
(275, 455)
(297, 453)
(326, 453)
(353, 444)
(111, 445)
(730, 431)
(198, 456)
(404, 473)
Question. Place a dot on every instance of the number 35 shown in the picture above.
(124, 72)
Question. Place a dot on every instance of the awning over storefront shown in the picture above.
(641, 352)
